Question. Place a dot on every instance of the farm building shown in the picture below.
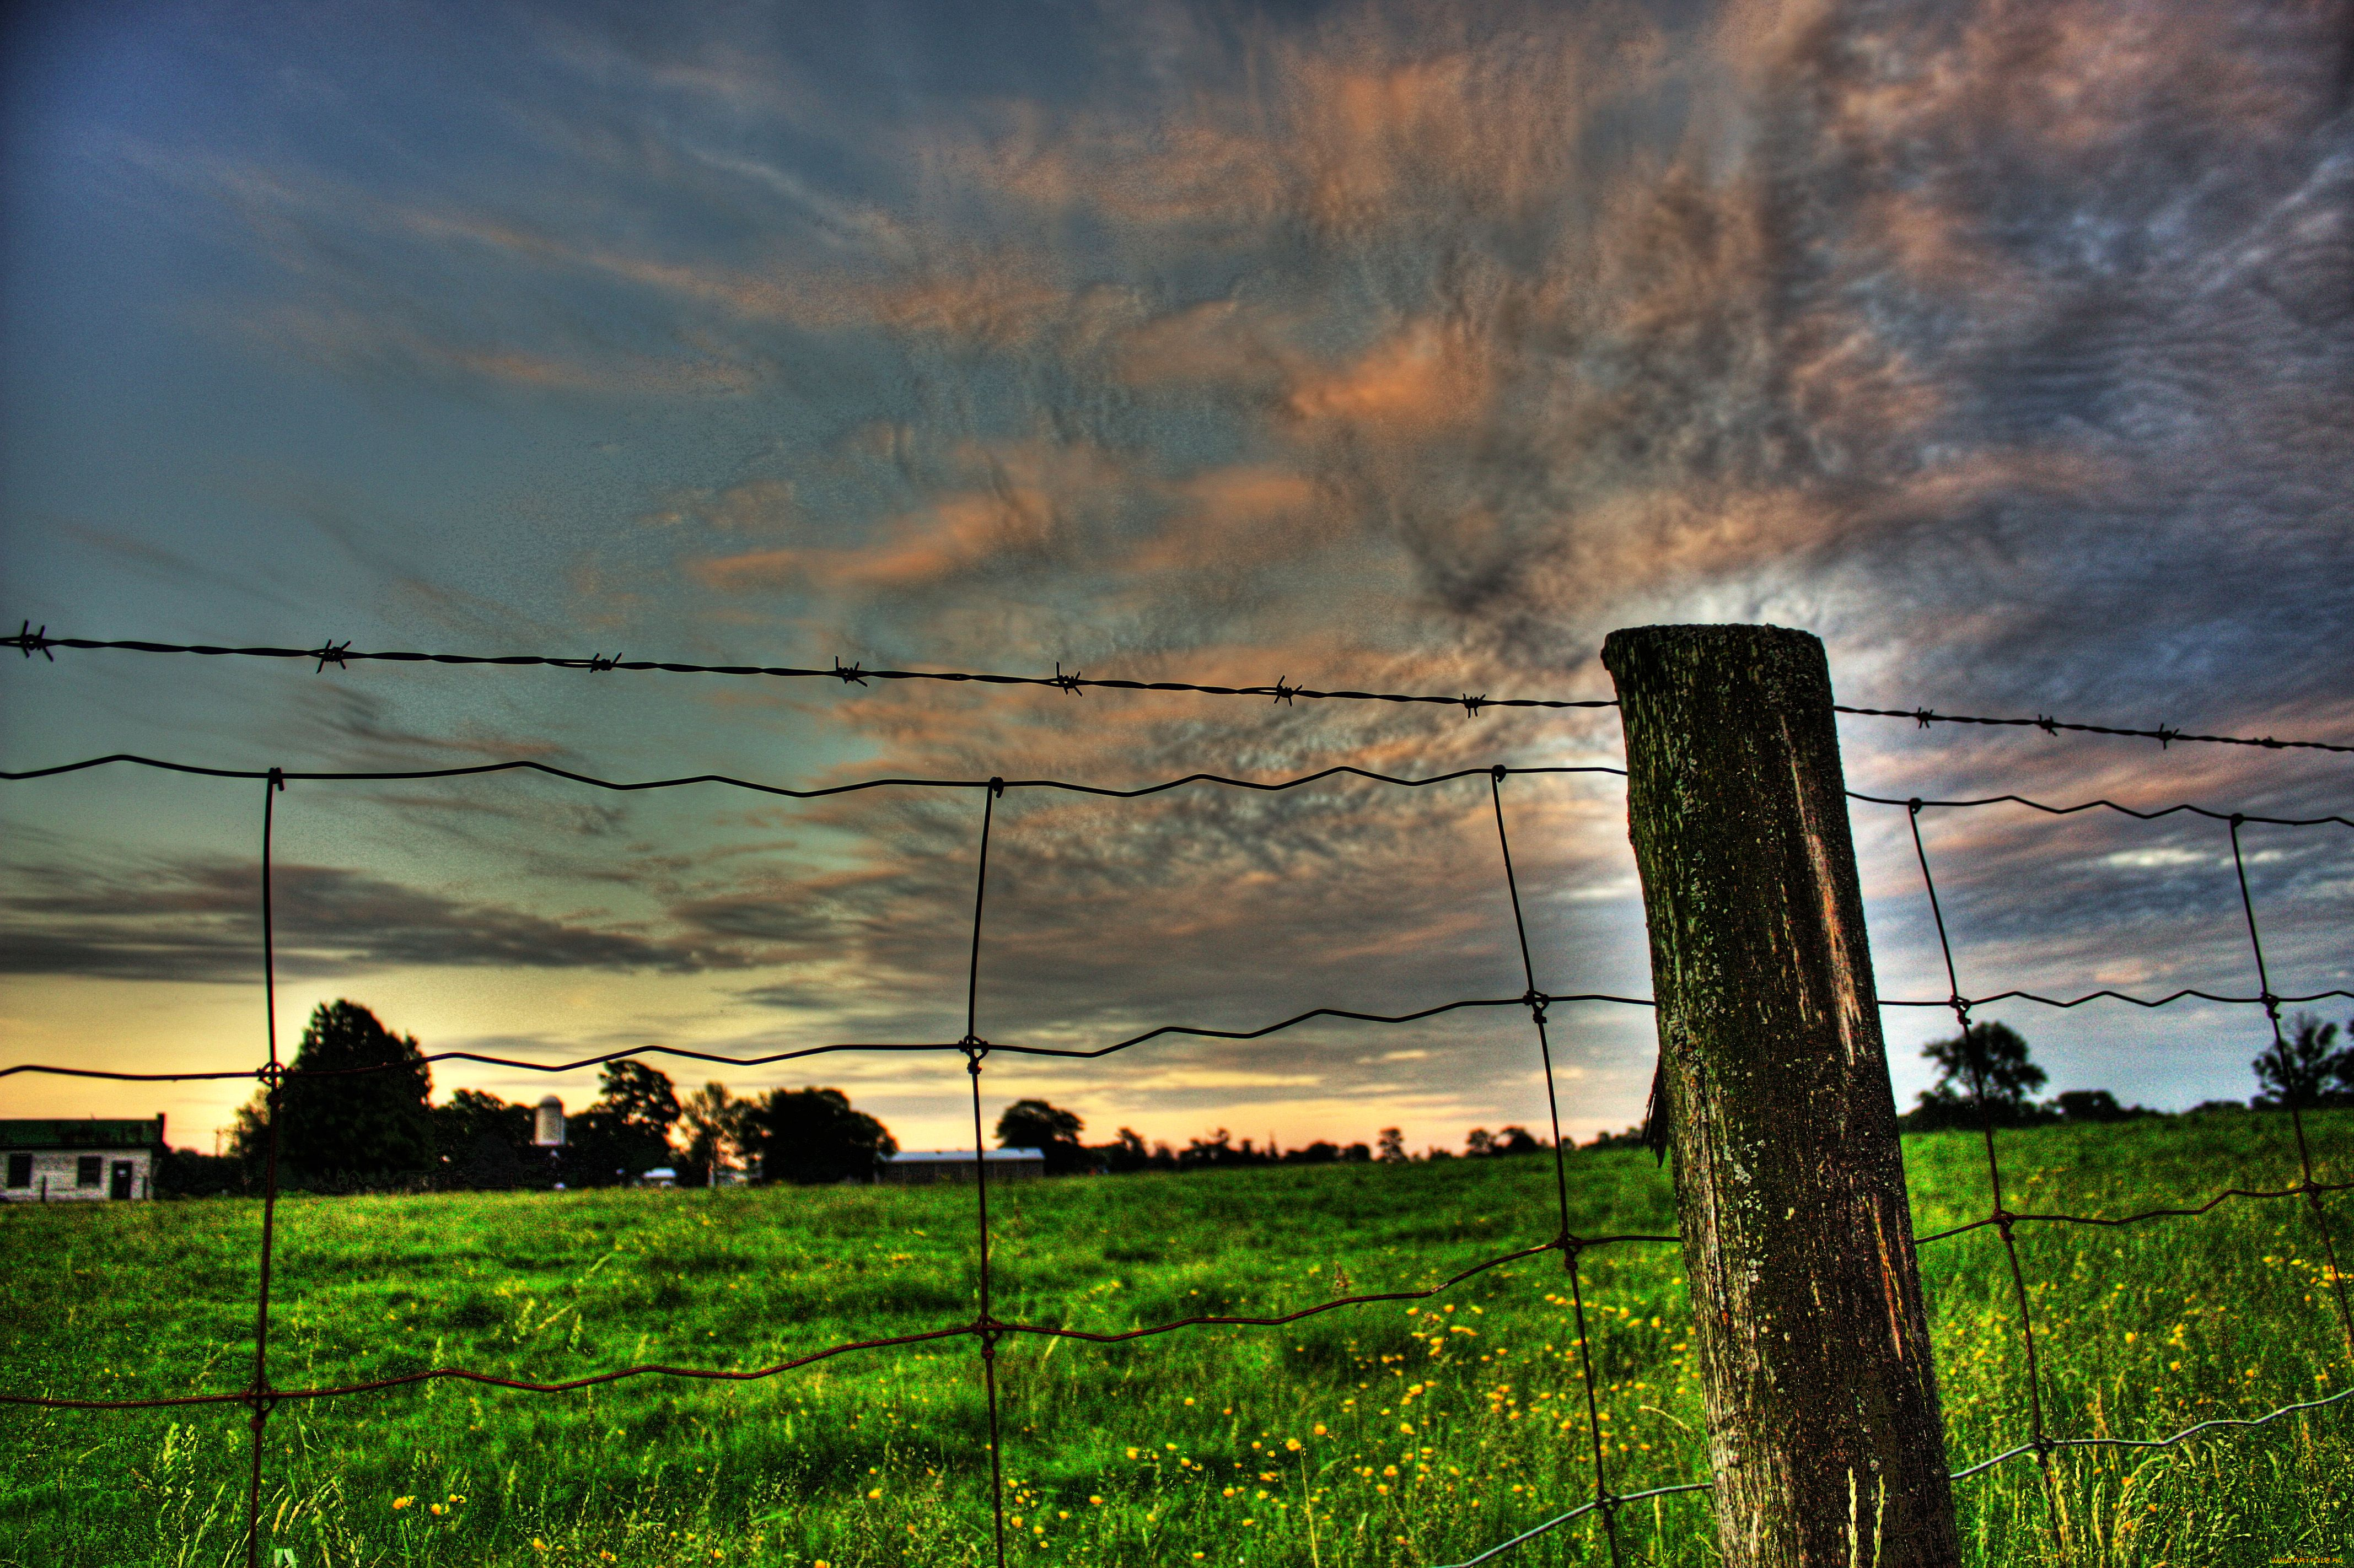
(79, 1162)
(915, 1170)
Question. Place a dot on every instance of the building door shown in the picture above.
(124, 1172)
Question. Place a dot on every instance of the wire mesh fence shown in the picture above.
(259, 1394)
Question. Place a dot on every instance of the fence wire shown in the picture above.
(260, 1395)
(29, 640)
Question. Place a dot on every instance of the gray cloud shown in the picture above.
(1390, 346)
(198, 919)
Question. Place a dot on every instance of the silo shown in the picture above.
(547, 1123)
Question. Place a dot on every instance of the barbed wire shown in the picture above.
(29, 640)
(261, 1396)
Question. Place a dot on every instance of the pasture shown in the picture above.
(1385, 1433)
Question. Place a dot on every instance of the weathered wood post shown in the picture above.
(1824, 1429)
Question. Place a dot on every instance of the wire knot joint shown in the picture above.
(331, 653)
(1283, 693)
(598, 664)
(1472, 704)
(28, 642)
(1069, 683)
(849, 677)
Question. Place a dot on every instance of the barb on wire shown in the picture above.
(260, 1396)
(850, 675)
(2165, 734)
(30, 641)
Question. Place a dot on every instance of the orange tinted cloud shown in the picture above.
(1426, 376)
(1027, 501)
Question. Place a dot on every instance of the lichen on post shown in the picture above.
(1825, 1434)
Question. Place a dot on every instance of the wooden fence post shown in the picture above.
(1824, 1430)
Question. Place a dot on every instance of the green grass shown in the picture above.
(1152, 1452)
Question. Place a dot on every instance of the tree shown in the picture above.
(1128, 1152)
(626, 1132)
(1514, 1140)
(2301, 1069)
(1985, 1065)
(640, 1098)
(1035, 1124)
(1478, 1141)
(1218, 1149)
(482, 1141)
(1391, 1144)
(2093, 1105)
(354, 1109)
(716, 1124)
(813, 1135)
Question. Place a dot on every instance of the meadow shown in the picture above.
(1386, 1433)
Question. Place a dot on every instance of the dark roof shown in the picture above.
(90, 1133)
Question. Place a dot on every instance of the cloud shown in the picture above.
(194, 919)
(1402, 348)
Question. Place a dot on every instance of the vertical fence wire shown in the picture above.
(2039, 1440)
(2291, 1093)
(1605, 1501)
(259, 1399)
(985, 1328)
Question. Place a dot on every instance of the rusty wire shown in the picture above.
(261, 1396)
(29, 640)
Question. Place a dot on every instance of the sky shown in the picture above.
(2006, 348)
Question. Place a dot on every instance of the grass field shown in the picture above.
(1369, 1435)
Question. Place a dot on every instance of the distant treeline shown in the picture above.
(340, 1130)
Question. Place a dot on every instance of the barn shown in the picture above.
(916, 1170)
(89, 1161)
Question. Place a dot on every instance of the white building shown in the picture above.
(916, 1170)
(79, 1162)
